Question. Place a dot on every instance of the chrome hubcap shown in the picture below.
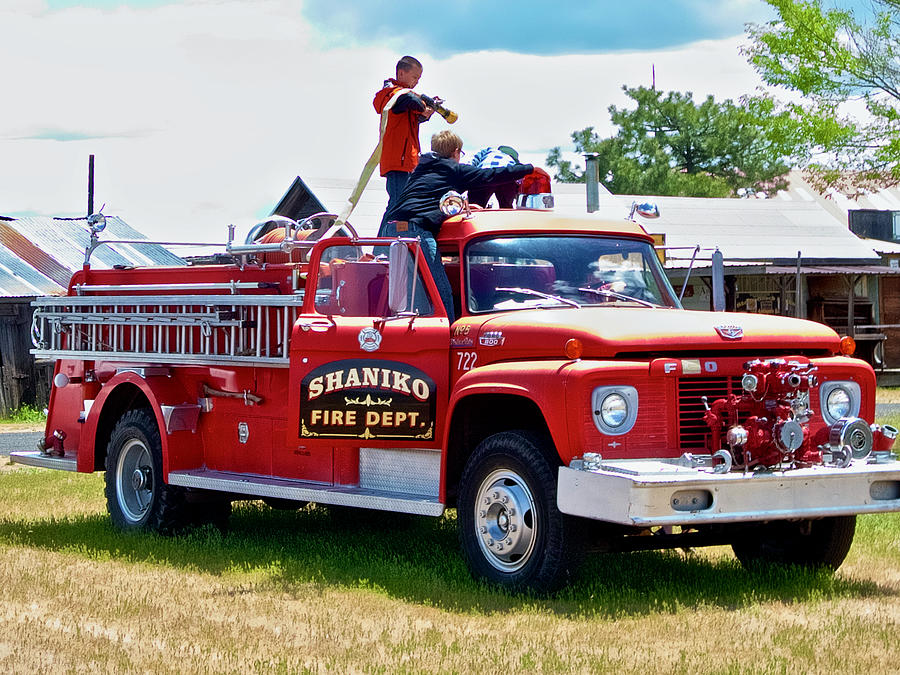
(505, 518)
(134, 480)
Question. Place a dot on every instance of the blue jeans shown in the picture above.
(396, 181)
(432, 258)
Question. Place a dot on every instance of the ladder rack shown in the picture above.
(188, 329)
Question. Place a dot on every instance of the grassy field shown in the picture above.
(315, 591)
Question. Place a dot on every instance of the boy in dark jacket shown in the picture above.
(417, 212)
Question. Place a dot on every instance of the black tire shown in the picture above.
(136, 496)
(511, 531)
(809, 543)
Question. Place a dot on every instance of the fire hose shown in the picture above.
(375, 158)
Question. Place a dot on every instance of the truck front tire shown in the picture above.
(809, 543)
(511, 531)
(136, 496)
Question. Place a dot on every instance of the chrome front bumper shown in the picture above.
(649, 492)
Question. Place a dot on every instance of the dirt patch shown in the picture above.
(18, 427)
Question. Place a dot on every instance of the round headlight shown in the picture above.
(614, 410)
(838, 403)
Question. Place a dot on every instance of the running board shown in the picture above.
(36, 458)
(297, 490)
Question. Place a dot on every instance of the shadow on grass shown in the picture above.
(418, 560)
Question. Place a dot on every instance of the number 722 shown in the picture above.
(466, 360)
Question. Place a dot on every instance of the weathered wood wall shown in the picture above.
(21, 379)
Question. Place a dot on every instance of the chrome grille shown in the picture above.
(693, 432)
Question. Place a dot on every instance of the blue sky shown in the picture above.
(526, 26)
(534, 26)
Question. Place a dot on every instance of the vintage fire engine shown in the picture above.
(573, 406)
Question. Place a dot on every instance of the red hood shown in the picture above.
(608, 331)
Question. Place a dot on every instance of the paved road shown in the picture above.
(880, 409)
(19, 440)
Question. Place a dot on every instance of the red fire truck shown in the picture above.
(574, 405)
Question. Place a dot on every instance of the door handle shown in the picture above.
(316, 325)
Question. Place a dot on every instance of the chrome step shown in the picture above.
(36, 458)
(283, 488)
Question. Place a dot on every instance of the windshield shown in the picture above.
(519, 272)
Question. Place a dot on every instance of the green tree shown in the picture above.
(670, 145)
(836, 59)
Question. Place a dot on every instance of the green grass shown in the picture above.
(26, 414)
(412, 559)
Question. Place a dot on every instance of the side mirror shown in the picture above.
(452, 203)
(398, 278)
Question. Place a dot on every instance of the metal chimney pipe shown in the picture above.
(592, 181)
(718, 281)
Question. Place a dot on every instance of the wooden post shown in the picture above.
(90, 209)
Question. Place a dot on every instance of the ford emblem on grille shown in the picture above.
(730, 332)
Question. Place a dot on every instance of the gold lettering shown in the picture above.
(399, 418)
(420, 389)
(315, 417)
(334, 380)
(350, 418)
(352, 378)
(387, 418)
(413, 416)
(315, 388)
(337, 417)
(372, 418)
(400, 380)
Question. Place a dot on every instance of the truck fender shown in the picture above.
(541, 383)
(157, 391)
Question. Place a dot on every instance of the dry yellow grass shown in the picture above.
(74, 598)
(62, 612)
(888, 395)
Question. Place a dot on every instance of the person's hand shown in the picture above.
(427, 113)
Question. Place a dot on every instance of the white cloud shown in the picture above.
(201, 114)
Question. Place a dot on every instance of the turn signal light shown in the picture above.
(848, 346)
(574, 348)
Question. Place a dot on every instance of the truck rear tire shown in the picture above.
(136, 496)
(809, 543)
(511, 531)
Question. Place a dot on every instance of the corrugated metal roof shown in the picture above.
(53, 249)
(66, 240)
(743, 229)
(19, 279)
(836, 203)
